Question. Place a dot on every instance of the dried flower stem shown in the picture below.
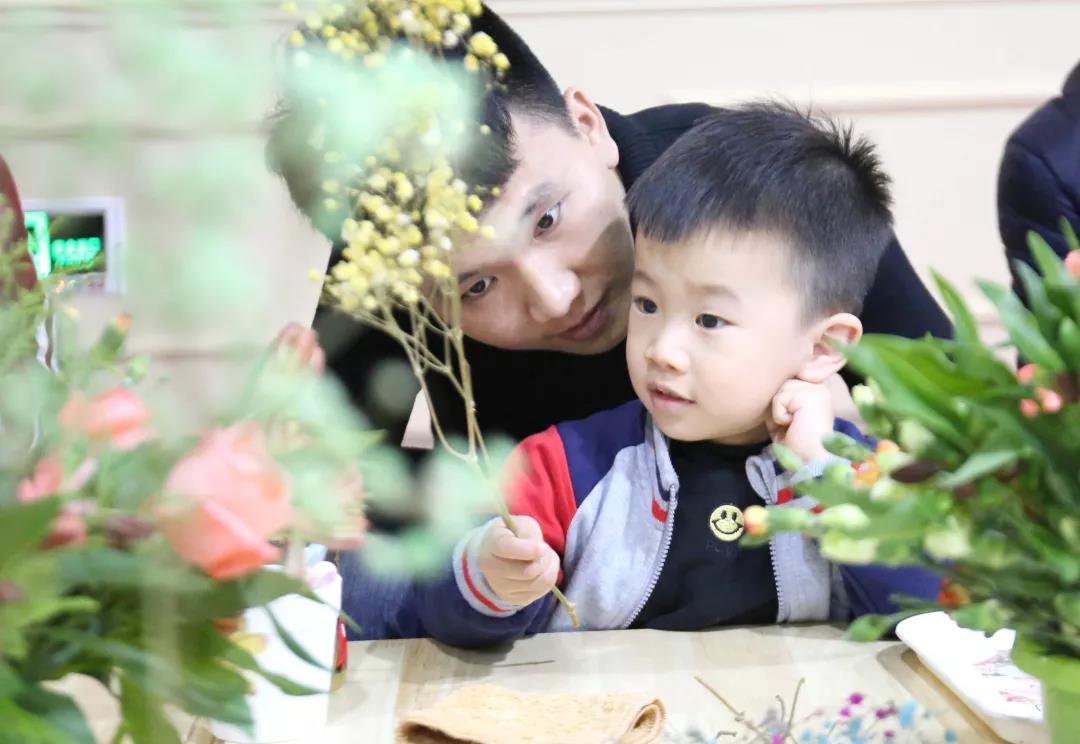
(414, 341)
(739, 717)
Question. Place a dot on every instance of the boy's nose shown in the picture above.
(668, 353)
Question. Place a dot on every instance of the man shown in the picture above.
(1039, 180)
(545, 303)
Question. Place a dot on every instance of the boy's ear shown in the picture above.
(589, 123)
(829, 335)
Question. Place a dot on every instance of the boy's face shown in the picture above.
(557, 274)
(715, 329)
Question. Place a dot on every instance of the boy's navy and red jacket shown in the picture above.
(605, 494)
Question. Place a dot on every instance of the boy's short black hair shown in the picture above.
(528, 89)
(770, 167)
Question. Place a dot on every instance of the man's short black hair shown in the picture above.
(528, 88)
(769, 167)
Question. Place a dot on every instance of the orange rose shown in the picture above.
(225, 499)
(116, 416)
(69, 527)
(48, 479)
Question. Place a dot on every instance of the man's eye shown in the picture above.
(479, 288)
(548, 220)
(645, 305)
(710, 322)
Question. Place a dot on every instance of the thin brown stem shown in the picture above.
(739, 717)
(794, 704)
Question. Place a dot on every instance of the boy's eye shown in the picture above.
(479, 288)
(548, 220)
(710, 322)
(645, 305)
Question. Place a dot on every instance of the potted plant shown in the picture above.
(976, 475)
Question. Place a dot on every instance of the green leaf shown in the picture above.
(989, 616)
(1023, 328)
(231, 598)
(1046, 313)
(144, 716)
(965, 326)
(1060, 284)
(844, 446)
(978, 465)
(244, 660)
(873, 627)
(42, 600)
(109, 345)
(909, 393)
(97, 567)
(350, 623)
(291, 643)
(10, 682)
(870, 628)
(200, 685)
(60, 711)
(125, 480)
(1048, 261)
(788, 460)
(1070, 235)
(24, 526)
(23, 727)
(1069, 338)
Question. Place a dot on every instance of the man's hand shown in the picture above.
(801, 415)
(299, 345)
(520, 568)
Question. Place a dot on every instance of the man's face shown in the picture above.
(557, 274)
(715, 329)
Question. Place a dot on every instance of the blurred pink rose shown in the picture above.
(117, 416)
(224, 500)
(69, 527)
(48, 479)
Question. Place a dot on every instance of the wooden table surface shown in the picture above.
(748, 666)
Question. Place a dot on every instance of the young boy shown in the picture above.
(757, 236)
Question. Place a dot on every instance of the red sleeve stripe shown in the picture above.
(472, 587)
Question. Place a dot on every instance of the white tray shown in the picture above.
(979, 670)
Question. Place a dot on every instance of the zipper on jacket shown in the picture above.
(776, 581)
(669, 531)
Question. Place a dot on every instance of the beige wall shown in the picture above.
(937, 83)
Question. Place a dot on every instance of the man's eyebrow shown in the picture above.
(536, 196)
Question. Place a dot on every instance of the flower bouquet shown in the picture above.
(171, 567)
(975, 475)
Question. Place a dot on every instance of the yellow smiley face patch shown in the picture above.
(726, 523)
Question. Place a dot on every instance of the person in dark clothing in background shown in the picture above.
(546, 303)
(1039, 180)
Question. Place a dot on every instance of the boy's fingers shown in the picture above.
(780, 408)
(527, 528)
(528, 572)
(511, 548)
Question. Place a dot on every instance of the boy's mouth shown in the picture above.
(664, 396)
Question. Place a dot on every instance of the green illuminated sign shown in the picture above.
(64, 248)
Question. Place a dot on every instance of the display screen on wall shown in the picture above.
(66, 242)
(83, 235)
